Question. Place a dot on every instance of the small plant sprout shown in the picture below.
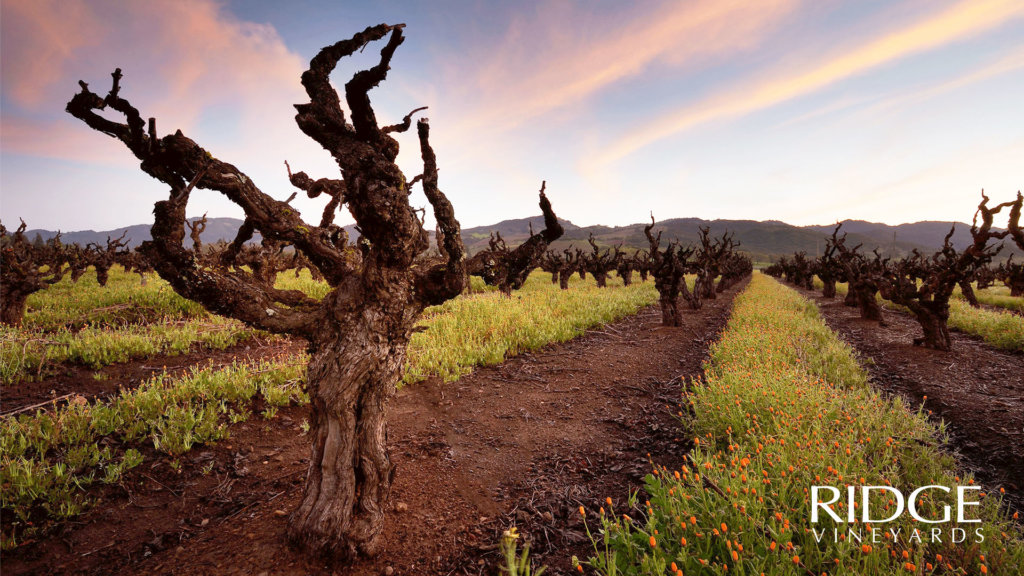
(516, 564)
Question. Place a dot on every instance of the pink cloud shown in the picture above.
(63, 139)
(40, 37)
(179, 59)
(227, 83)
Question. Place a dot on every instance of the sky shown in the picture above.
(807, 111)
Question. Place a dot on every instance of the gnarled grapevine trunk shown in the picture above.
(709, 260)
(351, 376)
(668, 268)
(692, 297)
(359, 331)
(12, 307)
(705, 286)
(508, 269)
(563, 278)
(669, 301)
(968, 291)
(867, 302)
(828, 289)
(26, 268)
(598, 263)
(933, 318)
(925, 284)
(850, 299)
(624, 265)
(1012, 276)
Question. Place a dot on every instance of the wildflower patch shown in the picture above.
(784, 407)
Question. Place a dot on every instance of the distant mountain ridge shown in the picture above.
(763, 240)
(216, 229)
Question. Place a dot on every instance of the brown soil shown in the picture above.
(976, 389)
(526, 442)
(92, 384)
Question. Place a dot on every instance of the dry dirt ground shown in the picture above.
(526, 442)
(976, 389)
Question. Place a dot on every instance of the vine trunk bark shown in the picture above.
(867, 302)
(933, 320)
(968, 291)
(627, 277)
(354, 369)
(12, 310)
(829, 288)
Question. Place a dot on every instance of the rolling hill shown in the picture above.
(763, 240)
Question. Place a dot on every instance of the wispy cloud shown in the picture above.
(883, 103)
(544, 84)
(560, 57)
(965, 19)
(1009, 63)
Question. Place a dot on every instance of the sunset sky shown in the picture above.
(801, 111)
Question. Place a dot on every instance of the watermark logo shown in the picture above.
(863, 508)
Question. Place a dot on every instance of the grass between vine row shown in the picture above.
(999, 328)
(783, 406)
(86, 324)
(998, 296)
(49, 459)
(26, 355)
(95, 326)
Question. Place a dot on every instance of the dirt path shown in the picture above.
(106, 381)
(976, 389)
(527, 441)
